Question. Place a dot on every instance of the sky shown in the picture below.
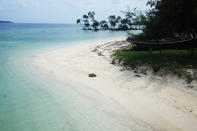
(62, 11)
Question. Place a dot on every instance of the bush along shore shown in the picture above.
(177, 63)
(167, 45)
(170, 62)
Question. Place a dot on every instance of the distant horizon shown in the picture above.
(50, 11)
(37, 22)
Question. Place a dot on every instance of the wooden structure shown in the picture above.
(164, 45)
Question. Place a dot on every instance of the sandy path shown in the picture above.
(161, 105)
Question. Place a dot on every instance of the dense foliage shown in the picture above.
(171, 18)
(170, 62)
(132, 20)
(166, 20)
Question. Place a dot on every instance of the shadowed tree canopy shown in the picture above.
(112, 21)
(91, 15)
(95, 24)
(169, 18)
(104, 25)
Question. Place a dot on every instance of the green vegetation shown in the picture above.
(167, 20)
(132, 20)
(170, 61)
(170, 19)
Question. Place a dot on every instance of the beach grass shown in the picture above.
(172, 61)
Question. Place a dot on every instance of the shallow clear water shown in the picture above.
(31, 101)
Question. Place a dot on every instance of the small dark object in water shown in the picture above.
(92, 75)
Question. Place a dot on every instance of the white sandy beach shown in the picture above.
(151, 101)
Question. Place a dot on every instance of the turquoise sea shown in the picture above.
(31, 101)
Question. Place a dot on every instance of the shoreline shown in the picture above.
(156, 104)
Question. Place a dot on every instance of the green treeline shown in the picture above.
(132, 20)
(164, 19)
(169, 24)
(170, 19)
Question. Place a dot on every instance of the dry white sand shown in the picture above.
(160, 104)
